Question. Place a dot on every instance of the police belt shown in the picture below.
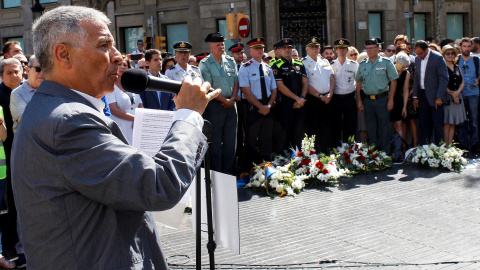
(373, 97)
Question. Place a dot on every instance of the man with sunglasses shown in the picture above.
(24, 93)
(390, 51)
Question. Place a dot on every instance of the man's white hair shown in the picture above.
(62, 26)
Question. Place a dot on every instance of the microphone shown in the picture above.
(137, 81)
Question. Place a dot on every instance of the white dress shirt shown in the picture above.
(345, 76)
(318, 73)
(423, 67)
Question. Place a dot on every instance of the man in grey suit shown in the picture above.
(83, 194)
(430, 92)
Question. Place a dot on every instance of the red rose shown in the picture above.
(356, 147)
(305, 162)
(362, 158)
(308, 171)
(369, 151)
(375, 156)
(345, 154)
(351, 151)
(348, 160)
(319, 165)
(325, 171)
(299, 154)
(312, 152)
(374, 163)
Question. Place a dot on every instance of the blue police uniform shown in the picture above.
(259, 127)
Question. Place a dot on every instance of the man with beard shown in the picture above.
(468, 64)
(327, 53)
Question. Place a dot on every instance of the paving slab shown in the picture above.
(406, 217)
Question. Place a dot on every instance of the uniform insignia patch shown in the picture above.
(297, 67)
(176, 74)
(275, 72)
(182, 45)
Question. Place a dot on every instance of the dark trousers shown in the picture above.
(291, 122)
(344, 118)
(259, 136)
(224, 135)
(430, 119)
(319, 122)
(378, 121)
(241, 133)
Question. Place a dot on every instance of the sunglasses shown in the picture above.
(37, 69)
(390, 50)
(354, 54)
(449, 53)
(144, 67)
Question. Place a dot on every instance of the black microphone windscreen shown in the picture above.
(135, 80)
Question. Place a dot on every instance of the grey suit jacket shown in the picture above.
(83, 194)
(436, 78)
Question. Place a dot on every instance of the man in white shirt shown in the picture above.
(343, 102)
(321, 85)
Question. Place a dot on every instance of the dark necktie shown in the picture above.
(264, 86)
(238, 67)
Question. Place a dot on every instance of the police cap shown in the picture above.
(236, 47)
(373, 41)
(341, 43)
(284, 43)
(258, 42)
(214, 37)
(182, 46)
(313, 41)
(200, 56)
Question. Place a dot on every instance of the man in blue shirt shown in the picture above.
(469, 129)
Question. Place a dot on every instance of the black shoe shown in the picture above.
(21, 261)
(476, 148)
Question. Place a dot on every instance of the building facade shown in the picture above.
(192, 20)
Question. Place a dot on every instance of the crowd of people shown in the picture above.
(416, 93)
(393, 96)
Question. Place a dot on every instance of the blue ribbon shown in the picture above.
(270, 170)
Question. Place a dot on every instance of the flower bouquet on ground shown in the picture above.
(361, 157)
(445, 157)
(288, 173)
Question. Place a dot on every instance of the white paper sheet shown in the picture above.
(225, 210)
(150, 129)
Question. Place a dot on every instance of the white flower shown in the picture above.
(279, 188)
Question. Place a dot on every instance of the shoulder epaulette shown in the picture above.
(194, 66)
(279, 63)
(248, 63)
(298, 62)
(272, 62)
(172, 67)
(229, 57)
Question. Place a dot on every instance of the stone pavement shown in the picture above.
(402, 218)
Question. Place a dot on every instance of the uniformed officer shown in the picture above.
(276, 52)
(374, 74)
(321, 85)
(292, 83)
(343, 102)
(258, 85)
(219, 70)
(182, 68)
(237, 50)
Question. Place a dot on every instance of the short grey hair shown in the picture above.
(31, 60)
(402, 59)
(62, 26)
(8, 61)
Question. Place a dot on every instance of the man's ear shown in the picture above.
(62, 55)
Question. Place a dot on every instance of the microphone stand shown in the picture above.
(211, 245)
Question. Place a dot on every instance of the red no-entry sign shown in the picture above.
(243, 27)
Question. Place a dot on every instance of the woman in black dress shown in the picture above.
(399, 111)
